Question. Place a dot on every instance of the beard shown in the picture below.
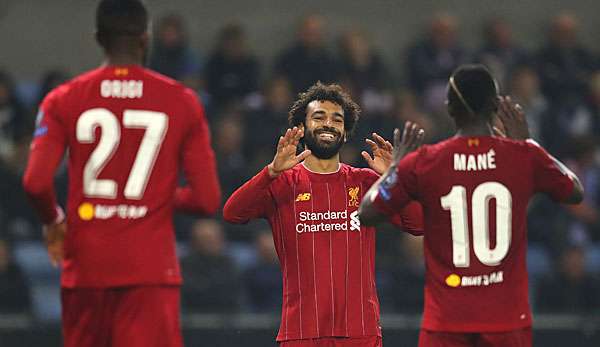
(322, 149)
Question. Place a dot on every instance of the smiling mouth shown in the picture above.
(327, 136)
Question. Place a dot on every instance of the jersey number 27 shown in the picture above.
(155, 126)
(456, 202)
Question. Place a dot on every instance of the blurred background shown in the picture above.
(247, 60)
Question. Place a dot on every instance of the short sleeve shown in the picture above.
(547, 176)
(399, 188)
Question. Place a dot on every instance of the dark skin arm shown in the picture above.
(411, 139)
(514, 123)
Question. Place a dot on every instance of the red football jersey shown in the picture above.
(128, 132)
(327, 258)
(474, 193)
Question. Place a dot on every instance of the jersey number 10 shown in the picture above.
(456, 202)
(155, 126)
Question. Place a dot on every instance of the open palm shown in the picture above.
(285, 157)
(382, 154)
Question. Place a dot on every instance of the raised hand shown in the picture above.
(285, 157)
(54, 235)
(513, 119)
(382, 154)
(412, 137)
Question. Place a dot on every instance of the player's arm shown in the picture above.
(251, 200)
(202, 195)
(555, 178)
(551, 175)
(45, 154)
(377, 205)
(409, 218)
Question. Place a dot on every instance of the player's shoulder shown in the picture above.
(433, 150)
(527, 147)
(174, 91)
(84, 78)
(512, 142)
(158, 78)
(63, 90)
(74, 84)
(166, 83)
(57, 93)
(361, 172)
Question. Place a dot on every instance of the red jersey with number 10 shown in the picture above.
(474, 193)
(128, 132)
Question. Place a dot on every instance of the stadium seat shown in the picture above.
(43, 279)
(592, 259)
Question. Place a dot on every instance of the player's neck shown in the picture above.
(475, 129)
(122, 59)
(315, 164)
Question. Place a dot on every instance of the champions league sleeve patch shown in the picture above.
(39, 117)
(384, 193)
(386, 186)
(39, 129)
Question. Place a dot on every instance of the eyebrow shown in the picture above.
(337, 114)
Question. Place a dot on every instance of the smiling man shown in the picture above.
(311, 201)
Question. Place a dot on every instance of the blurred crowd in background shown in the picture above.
(229, 269)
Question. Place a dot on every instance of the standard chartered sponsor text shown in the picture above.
(328, 221)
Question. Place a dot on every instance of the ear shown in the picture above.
(301, 126)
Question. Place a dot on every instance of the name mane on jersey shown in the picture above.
(328, 221)
(475, 162)
(122, 89)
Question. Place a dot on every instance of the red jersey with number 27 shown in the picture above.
(474, 193)
(128, 132)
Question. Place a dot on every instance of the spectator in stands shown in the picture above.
(50, 80)
(499, 52)
(524, 88)
(406, 108)
(574, 120)
(585, 120)
(572, 289)
(211, 282)
(232, 72)
(432, 60)
(361, 67)
(13, 117)
(584, 226)
(307, 60)
(14, 291)
(171, 54)
(232, 163)
(263, 280)
(564, 63)
(266, 121)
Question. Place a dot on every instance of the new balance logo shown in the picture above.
(303, 197)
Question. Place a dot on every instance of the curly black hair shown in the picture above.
(325, 92)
